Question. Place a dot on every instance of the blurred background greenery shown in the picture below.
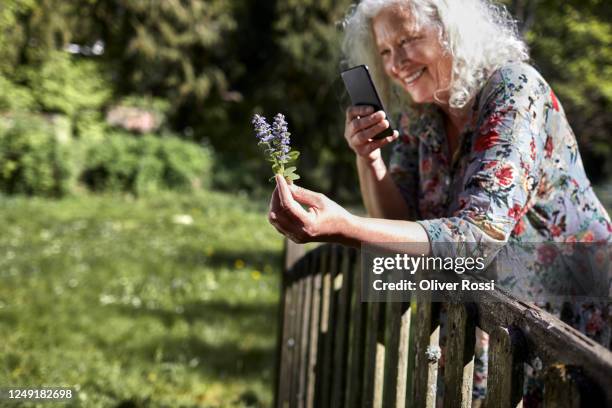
(136, 261)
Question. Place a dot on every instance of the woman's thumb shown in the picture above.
(305, 196)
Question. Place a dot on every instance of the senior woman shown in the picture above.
(483, 153)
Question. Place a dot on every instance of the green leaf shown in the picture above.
(276, 168)
(294, 154)
(290, 170)
(292, 177)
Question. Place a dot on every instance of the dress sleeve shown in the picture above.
(404, 165)
(501, 165)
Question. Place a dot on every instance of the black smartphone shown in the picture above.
(362, 91)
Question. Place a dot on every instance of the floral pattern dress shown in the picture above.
(517, 177)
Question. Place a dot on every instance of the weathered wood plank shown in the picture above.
(305, 335)
(547, 338)
(459, 356)
(282, 345)
(315, 316)
(296, 336)
(427, 350)
(396, 359)
(354, 384)
(283, 308)
(292, 252)
(560, 389)
(343, 284)
(505, 371)
(374, 359)
(284, 387)
(328, 323)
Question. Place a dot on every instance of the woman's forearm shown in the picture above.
(361, 230)
(381, 196)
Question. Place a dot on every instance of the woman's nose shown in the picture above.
(399, 60)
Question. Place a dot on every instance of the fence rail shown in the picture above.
(336, 351)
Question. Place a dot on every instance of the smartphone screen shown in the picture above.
(361, 89)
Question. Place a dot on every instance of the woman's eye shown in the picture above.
(384, 53)
(407, 40)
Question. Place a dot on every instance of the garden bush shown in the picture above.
(14, 97)
(36, 155)
(68, 85)
(145, 164)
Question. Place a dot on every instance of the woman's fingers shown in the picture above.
(367, 122)
(377, 144)
(365, 135)
(353, 112)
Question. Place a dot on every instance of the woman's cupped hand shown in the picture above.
(362, 124)
(323, 221)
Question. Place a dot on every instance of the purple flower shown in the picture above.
(262, 129)
(275, 139)
(281, 135)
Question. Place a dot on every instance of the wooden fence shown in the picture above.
(336, 351)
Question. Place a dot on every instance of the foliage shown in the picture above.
(35, 157)
(171, 47)
(89, 126)
(66, 85)
(216, 63)
(14, 97)
(164, 301)
(122, 162)
(12, 33)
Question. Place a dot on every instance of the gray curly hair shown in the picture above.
(480, 37)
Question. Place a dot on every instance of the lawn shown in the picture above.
(169, 300)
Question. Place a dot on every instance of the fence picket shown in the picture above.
(296, 336)
(396, 359)
(343, 284)
(328, 323)
(374, 358)
(505, 371)
(427, 336)
(304, 337)
(315, 315)
(284, 366)
(356, 342)
(459, 357)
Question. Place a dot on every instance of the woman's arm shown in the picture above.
(381, 195)
(326, 221)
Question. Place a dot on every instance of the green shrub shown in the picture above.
(14, 97)
(145, 164)
(36, 157)
(89, 126)
(67, 85)
(110, 165)
(186, 165)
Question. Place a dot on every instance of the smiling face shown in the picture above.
(413, 58)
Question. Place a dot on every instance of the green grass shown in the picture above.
(117, 298)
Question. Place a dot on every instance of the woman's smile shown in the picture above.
(410, 79)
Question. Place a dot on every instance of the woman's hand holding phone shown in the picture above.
(362, 124)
